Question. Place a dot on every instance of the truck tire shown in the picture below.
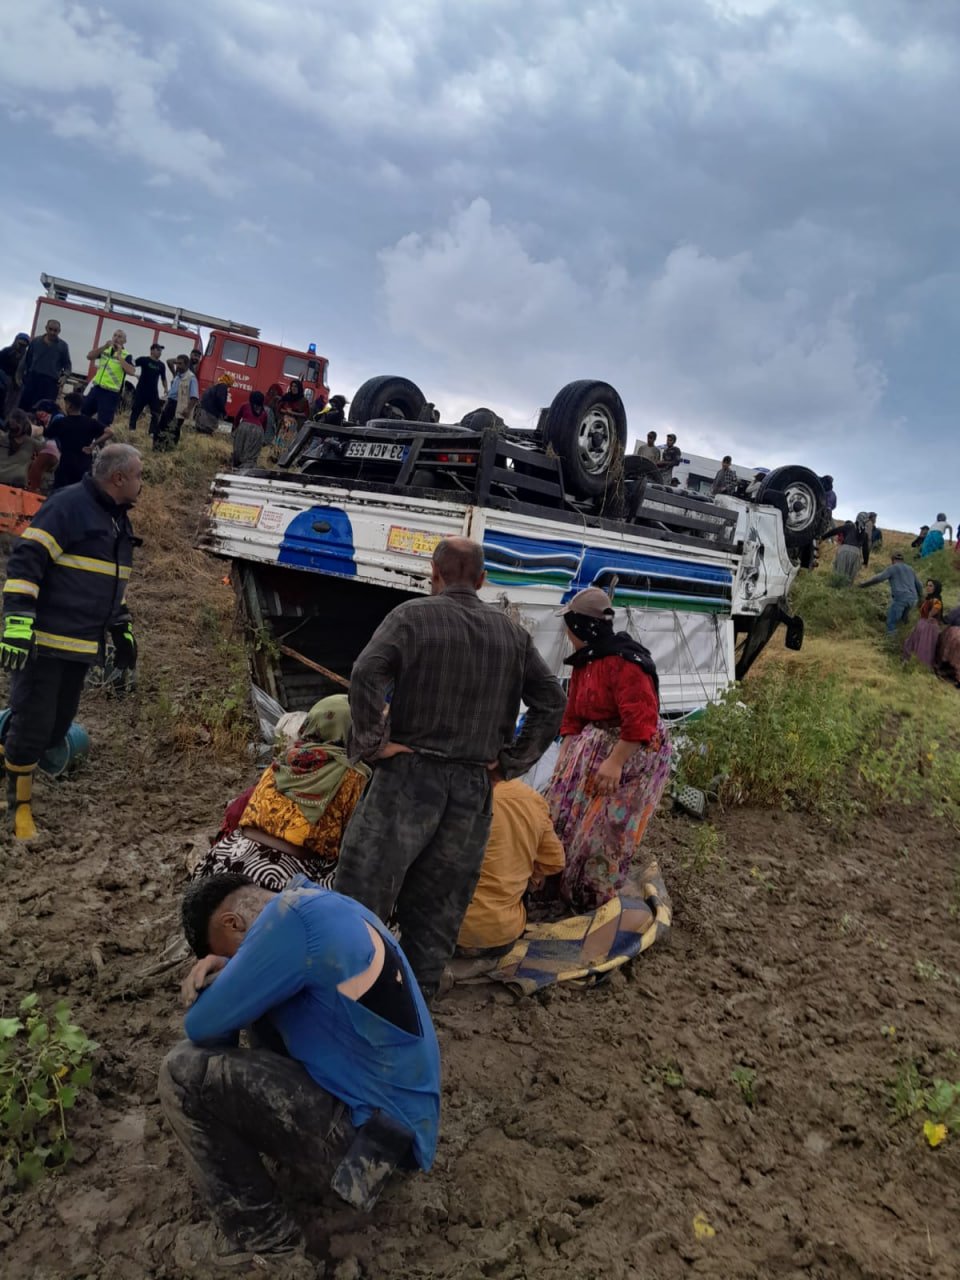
(805, 505)
(375, 394)
(587, 427)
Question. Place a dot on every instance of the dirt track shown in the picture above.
(582, 1132)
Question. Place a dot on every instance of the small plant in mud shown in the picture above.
(671, 1074)
(928, 971)
(939, 1099)
(704, 850)
(908, 1092)
(745, 1078)
(44, 1062)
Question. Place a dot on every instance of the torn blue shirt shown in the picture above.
(301, 947)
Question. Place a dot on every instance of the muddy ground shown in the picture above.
(583, 1131)
(740, 1076)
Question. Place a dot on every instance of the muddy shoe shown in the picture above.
(202, 1253)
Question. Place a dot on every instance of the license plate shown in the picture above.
(376, 449)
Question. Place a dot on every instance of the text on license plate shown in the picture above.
(376, 449)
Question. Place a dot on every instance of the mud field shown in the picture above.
(583, 1131)
(742, 1076)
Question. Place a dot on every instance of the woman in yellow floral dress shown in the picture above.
(294, 818)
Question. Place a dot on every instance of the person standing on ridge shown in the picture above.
(648, 450)
(726, 479)
(11, 359)
(113, 365)
(147, 392)
(45, 362)
(65, 592)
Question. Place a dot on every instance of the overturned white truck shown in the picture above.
(342, 528)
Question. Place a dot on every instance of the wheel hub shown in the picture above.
(801, 507)
(595, 440)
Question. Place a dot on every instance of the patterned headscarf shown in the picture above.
(314, 768)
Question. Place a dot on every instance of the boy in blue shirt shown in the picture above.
(351, 1080)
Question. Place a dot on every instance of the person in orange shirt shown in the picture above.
(522, 850)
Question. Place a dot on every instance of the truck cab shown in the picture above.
(256, 365)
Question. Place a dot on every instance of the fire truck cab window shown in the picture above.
(308, 371)
(240, 353)
(211, 343)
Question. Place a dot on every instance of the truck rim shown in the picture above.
(595, 440)
(801, 507)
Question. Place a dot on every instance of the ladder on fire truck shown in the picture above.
(109, 300)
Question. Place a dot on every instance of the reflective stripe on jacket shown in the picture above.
(110, 374)
(69, 571)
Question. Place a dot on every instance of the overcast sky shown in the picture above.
(742, 213)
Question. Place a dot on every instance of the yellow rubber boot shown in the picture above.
(19, 796)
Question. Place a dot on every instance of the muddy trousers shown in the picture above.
(229, 1106)
(44, 698)
(416, 843)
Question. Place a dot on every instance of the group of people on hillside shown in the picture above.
(404, 798)
(935, 638)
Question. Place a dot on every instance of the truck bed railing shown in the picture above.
(503, 470)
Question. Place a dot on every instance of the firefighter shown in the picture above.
(65, 590)
(332, 413)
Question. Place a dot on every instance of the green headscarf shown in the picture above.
(314, 768)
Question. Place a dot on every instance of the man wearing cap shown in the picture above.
(10, 360)
(147, 393)
(455, 670)
(906, 589)
(113, 365)
(45, 361)
(332, 413)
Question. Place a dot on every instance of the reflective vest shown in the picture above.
(110, 373)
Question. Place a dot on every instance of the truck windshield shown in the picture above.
(308, 371)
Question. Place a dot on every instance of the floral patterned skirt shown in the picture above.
(601, 834)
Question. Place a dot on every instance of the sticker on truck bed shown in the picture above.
(417, 542)
(235, 512)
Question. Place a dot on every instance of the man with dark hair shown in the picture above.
(146, 394)
(456, 671)
(828, 493)
(181, 400)
(45, 362)
(343, 1078)
(906, 589)
(10, 360)
(649, 450)
(725, 481)
(670, 457)
(65, 590)
(76, 436)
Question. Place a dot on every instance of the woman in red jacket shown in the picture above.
(615, 758)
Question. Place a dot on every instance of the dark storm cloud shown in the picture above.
(739, 212)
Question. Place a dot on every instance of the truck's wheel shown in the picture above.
(805, 500)
(587, 427)
(371, 399)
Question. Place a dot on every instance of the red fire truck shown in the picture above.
(88, 316)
